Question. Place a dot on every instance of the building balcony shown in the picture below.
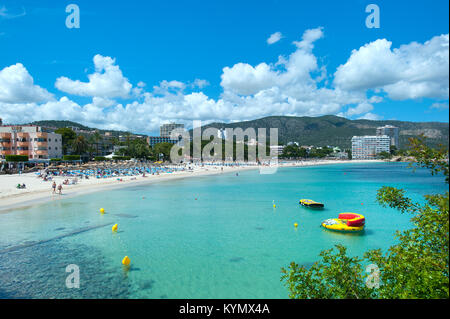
(5, 136)
(5, 151)
(22, 144)
(23, 153)
(41, 152)
(41, 135)
(23, 135)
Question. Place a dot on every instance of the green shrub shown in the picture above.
(100, 158)
(16, 158)
(55, 160)
(121, 158)
(71, 157)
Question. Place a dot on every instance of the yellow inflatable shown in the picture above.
(310, 203)
(114, 228)
(102, 210)
(347, 222)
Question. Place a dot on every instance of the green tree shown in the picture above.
(349, 153)
(115, 140)
(163, 148)
(80, 145)
(68, 136)
(97, 138)
(137, 148)
(320, 152)
(384, 155)
(393, 150)
(290, 151)
(416, 267)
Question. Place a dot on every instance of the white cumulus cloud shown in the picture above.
(411, 71)
(107, 81)
(17, 86)
(359, 109)
(295, 85)
(274, 37)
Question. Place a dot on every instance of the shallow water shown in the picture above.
(206, 237)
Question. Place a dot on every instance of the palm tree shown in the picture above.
(97, 138)
(80, 145)
(128, 138)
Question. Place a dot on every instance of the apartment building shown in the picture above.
(30, 140)
(392, 132)
(166, 129)
(153, 140)
(368, 147)
(277, 149)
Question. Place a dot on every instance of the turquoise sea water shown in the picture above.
(205, 237)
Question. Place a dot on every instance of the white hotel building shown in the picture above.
(368, 147)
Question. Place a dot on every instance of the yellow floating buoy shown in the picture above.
(114, 228)
(274, 206)
(126, 261)
(102, 210)
(295, 225)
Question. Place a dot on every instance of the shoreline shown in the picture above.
(39, 191)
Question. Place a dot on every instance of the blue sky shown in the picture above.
(155, 41)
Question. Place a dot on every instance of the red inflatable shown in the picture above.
(352, 219)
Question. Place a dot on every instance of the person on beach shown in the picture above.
(54, 187)
(60, 189)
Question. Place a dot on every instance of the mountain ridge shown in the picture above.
(338, 131)
(319, 131)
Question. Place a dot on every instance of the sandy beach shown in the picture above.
(38, 190)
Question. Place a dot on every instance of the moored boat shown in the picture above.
(310, 203)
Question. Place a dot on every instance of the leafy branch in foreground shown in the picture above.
(336, 275)
(435, 160)
(416, 267)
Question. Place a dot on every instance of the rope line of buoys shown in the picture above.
(126, 261)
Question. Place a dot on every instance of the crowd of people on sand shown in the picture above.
(106, 172)
(76, 173)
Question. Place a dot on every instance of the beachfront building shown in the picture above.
(30, 140)
(277, 149)
(166, 129)
(391, 131)
(153, 140)
(368, 147)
